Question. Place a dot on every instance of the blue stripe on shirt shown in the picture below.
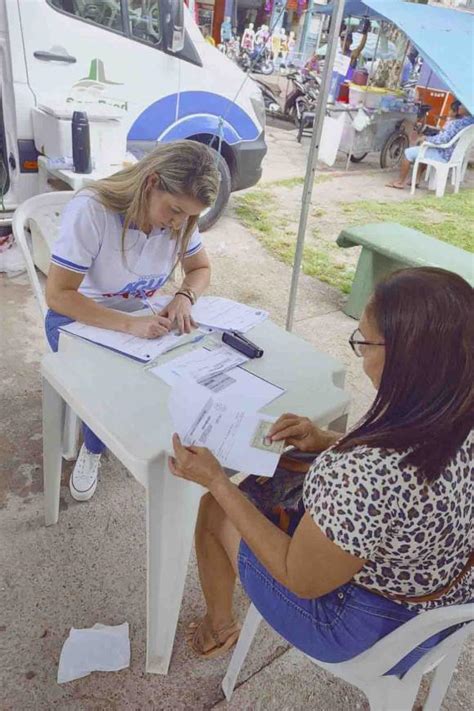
(68, 265)
(193, 250)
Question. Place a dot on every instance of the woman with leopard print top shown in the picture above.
(379, 528)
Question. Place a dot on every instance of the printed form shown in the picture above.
(218, 370)
(238, 439)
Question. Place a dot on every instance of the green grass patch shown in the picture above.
(258, 211)
(287, 183)
(294, 182)
(450, 218)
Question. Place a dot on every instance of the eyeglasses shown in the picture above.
(356, 343)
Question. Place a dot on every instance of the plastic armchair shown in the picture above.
(366, 671)
(462, 142)
(45, 211)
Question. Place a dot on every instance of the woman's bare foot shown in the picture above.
(208, 643)
(397, 185)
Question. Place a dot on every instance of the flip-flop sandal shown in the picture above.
(220, 648)
(397, 187)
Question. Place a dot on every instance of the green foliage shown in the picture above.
(450, 218)
(258, 211)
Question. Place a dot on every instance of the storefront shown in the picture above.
(274, 13)
(209, 16)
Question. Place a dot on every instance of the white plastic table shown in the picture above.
(126, 407)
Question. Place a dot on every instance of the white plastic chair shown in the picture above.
(41, 216)
(366, 671)
(438, 171)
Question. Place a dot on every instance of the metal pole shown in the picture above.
(332, 45)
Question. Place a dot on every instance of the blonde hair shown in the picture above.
(180, 167)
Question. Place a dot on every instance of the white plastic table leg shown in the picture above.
(72, 426)
(53, 418)
(172, 506)
(249, 630)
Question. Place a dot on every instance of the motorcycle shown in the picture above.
(303, 97)
(270, 99)
(257, 61)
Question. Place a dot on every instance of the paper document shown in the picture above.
(237, 438)
(142, 349)
(219, 371)
(244, 388)
(199, 365)
(223, 314)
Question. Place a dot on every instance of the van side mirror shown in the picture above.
(173, 25)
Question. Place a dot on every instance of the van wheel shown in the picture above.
(212, 214)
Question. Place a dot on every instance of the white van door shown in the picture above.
(79, 52)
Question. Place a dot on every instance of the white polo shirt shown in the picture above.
(90, 243)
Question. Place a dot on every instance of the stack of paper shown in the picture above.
(236, 438)
(219, 371)
(219, 313)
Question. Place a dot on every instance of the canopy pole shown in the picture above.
(332, 44)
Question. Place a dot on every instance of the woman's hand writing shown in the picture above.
(179, 311)
(148, 326)
(196, 464)
(298, 431)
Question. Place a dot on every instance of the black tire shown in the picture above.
(358, 159)
(211, 216)
(393, 149)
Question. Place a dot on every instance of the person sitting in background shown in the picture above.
(378, 528)
(461, 118)
(312, 65)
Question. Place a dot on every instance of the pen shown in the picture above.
(150, 305)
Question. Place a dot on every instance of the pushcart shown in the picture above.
(384, 134)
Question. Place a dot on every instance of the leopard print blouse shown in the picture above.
(416, 538)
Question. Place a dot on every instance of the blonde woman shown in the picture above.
(122, 238)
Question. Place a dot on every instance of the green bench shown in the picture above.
(387, 247)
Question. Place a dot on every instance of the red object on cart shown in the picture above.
(343, 95)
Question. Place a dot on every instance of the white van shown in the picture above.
(145, 58)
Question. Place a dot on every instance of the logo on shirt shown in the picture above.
(146, 286)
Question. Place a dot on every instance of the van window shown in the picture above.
(144, 18)
(145, 25)
(106, 13)
(144, 21)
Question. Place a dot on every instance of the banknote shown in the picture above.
(260, 440)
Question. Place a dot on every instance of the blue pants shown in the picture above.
(333, 628)
(52, 324)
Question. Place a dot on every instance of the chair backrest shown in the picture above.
(463, 144)
(388, 651)
(44, 211)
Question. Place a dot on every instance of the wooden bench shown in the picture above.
(387, 247)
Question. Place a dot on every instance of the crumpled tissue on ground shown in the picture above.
(99, 648)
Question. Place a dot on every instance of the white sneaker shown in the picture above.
(83, 480)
